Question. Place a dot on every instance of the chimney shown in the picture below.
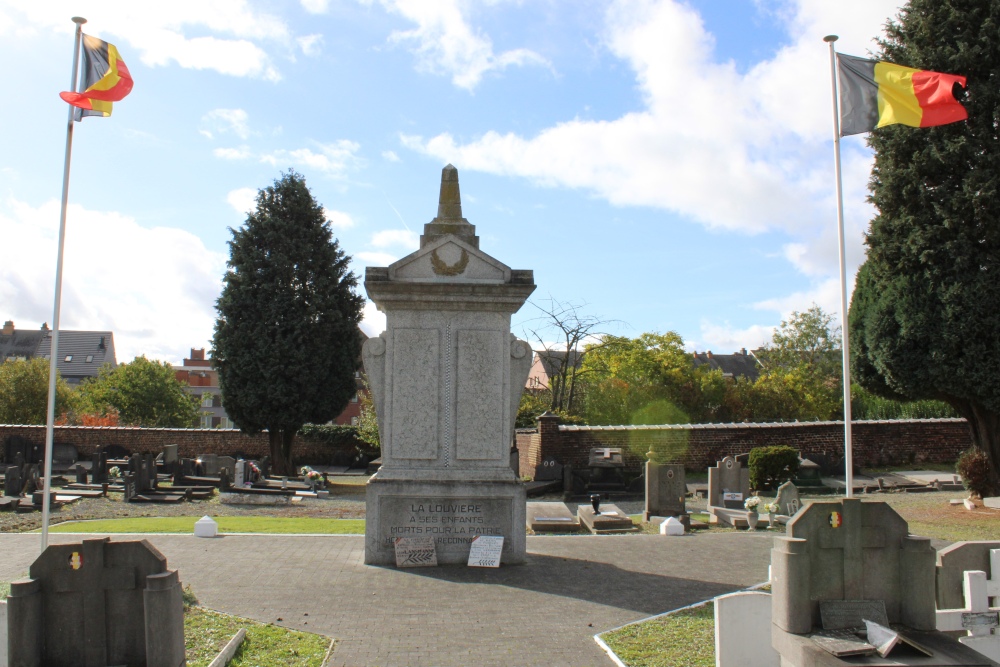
(708, 354)
(743, 351)
(197, 355)
(101, 345)
(45, 326)
(8, 328)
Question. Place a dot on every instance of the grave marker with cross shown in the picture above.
(977, 618)
(96, 604)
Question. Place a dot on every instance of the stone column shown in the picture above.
(917, 579)
(24, 624)
(164, 611)
(791, 608)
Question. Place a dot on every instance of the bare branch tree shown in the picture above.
(562, 324)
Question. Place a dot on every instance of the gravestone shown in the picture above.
(550, 517)
(952, 564)
(666, 487)
(229, 463)
(170, 455)
(728, 482)
(151, 475)
(548, 470)
(239, 473)
(446, 378)
(787, 499)
(743, 630)
(96, 604)
(99, 469)
(81, 474)
(64, 453)
(850, 562)
(29, 452)
(19, 460)
(225, 483)
(12, 483)
(210, 465)
(265, 467)
(130, 484)
(609, 519)
(116, 452)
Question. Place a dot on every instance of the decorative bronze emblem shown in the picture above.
(442, 268)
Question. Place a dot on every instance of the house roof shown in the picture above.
(740, 364)
(554, 360)
(21, 344)
(81, 353)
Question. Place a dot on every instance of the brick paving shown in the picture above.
(542, 614)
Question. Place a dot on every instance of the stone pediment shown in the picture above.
(449, 259)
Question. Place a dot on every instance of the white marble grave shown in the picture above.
(978, 619)
(743, 630)
(446, 378)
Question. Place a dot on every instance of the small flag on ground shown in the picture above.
(105, 79)
(876, 93)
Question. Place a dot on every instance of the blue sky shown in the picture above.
(667, 164)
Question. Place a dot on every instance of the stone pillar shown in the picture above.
(791, 608)
(917, 575)
(164, 609)
(24, 624)
(548, 438)
(3, 633)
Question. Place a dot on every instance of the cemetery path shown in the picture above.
(543, 614)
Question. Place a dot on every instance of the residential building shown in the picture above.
(202, 381)
(739, 364)
(547, 364)
(81, 353)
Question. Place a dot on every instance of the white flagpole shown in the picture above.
(848, 446)
(54, 351)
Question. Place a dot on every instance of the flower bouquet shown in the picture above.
(114, 472)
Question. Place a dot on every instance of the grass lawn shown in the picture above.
(206, 632)
(683, 639)
(227, 524)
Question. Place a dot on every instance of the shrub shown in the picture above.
(771, 466)
(974, 467)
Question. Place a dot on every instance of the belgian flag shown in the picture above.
(105, 79)
(876, 93)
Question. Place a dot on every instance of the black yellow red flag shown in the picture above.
(105, 79)
(876, 93)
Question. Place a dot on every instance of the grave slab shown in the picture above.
(610, 520)
(743, 630)
(550, 517)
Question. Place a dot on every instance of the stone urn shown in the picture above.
(752, 519)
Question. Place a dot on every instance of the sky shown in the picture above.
(666, 166)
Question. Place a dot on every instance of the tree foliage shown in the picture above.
(924, 319)
(286, 339)
(142, 392)
(24, 392)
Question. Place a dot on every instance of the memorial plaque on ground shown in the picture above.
(415, 552)
(550, 517)
(485, 551)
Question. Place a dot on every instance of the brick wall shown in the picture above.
(191, 442)
(899, 442)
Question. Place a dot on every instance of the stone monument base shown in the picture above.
(452, 512)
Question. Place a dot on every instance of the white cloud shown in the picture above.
(390, 156)
(445, 43)
(338, 219)
(396, 237)
(335, 158)
(315, 6)
(156, 294)
(241, 153)
(736, 150)
(243, 200)
(725, 339)
(372, 320)
(311, 45)
(825, 294)
(375, 258)
(156, 37)
(228, 120)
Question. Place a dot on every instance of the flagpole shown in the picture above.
(54, 350)
(846, 362)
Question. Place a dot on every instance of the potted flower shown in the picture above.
(311, 477)
(114, 472)
(752, 505)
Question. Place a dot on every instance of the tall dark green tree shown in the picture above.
(924, 320)
(286, 339)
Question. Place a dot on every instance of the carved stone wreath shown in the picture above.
(442, 268)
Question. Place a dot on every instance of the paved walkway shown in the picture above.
(543, 613)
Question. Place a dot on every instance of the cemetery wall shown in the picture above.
(897, 442)
(191, 442)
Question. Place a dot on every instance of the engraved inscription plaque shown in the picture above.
(480, 388)
(416, 369)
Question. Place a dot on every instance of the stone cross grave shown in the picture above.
(977, 618)
(446, 378)
(666, 488)
(95, 604)
(848, 551)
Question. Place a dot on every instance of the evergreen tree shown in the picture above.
(924, 319)
(286, 341)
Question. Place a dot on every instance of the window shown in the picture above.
(354, 421)
(69, 357)
(354, 399)
(90, 358)
(206, 421)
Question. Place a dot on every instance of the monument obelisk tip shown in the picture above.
(449, 218)
(450, 201)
